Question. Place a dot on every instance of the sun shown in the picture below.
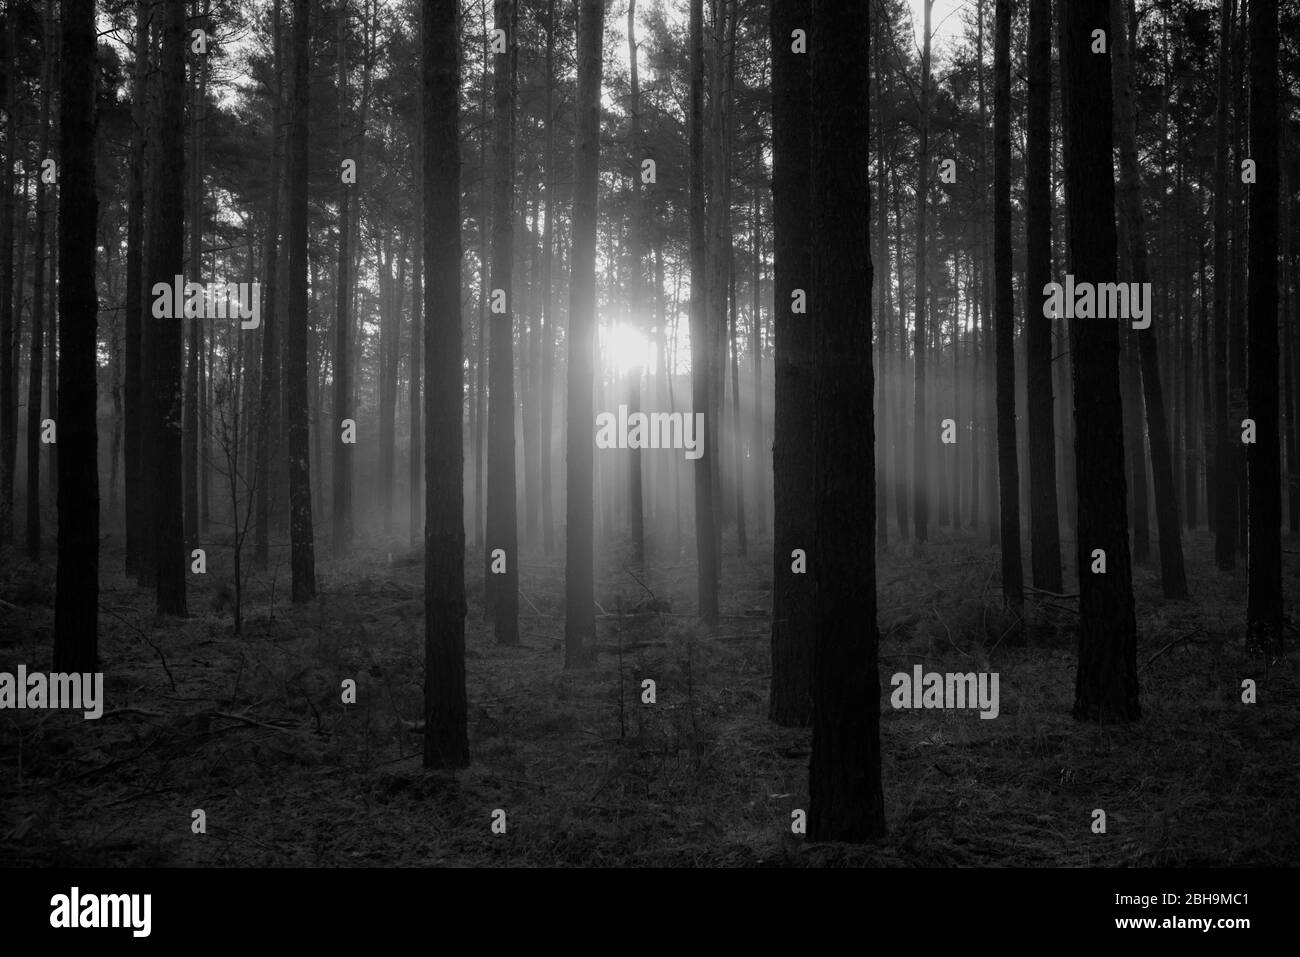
(625, 348)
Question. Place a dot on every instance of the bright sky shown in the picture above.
(945, 21)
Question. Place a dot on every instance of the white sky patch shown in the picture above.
(946, 23)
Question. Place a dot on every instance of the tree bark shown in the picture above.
(446, 738)
(706, 544)
(502, 518)
(302, 554)
(341, 536)
(1172, 574)
(76, 603)
(1106, 688)
(923, 433)
(1044, 533)
(1264, 562)
(579, 563)
(846, 799)
(790, 702)
(1225, 488)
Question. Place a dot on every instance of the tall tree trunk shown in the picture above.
(579, 564)
(415, 466)
(167, 261)
(1044, 531)
(302, 553)
(8, 332)
(1172, 575)
(757, 451)
(1264, 562)
(268, 418)
(446, 738)
(922, 431)
(1004, 319)
(548, 313)
(76, 603)
(1106, 688)
(341, 536)
(37, 360)
(793, 533)
(136, 303)
(1225, 489)
(190, 453)
(635, 505)
(847, 802)
(502, 521)
(701, 363)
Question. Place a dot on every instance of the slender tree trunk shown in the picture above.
(446, 738)
(134, 398)
(167, 262)
(190, 453)
(37, 359)
(701, 363)
(793, 532)
(548, 313)
(302, 553)
(415, 466)
(579, 563)
(1172, 574)
(502, 553)
(1264, 561)
(341, 537)
(1106, 688)
(1044, 535)
(1004, 319)
(8, 330)
(268, 418)
(635, 505)
(846, 799)
(1225, 489)
(923, 433)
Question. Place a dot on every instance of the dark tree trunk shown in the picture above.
(706, 543)
(341, 536)
(1225, 483)
(923, 434)
(8, 337)
(37, 359)
(446, 738)
(1044, 523)
(548, 298)
(302, 556)
(268, 418)
(792, 442)
(502, 520)
(1106, 688)
(1264, 561)
(1004, 320)
(635, 505)
(136, 302)
(167, 260)
(846, 800)
(1172, 574)
(190, 454)
(579, 563)
(76, 606)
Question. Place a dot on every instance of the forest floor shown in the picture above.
(252, 729)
